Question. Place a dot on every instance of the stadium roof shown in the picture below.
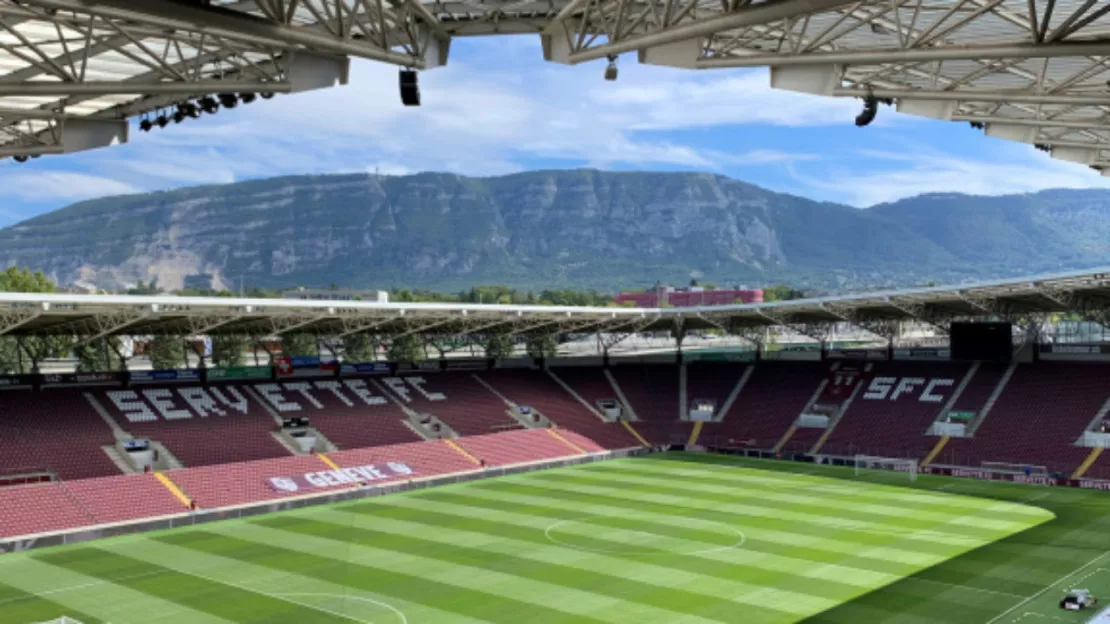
(94, 316)
(1027, 70)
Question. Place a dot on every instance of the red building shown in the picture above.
(660, 295)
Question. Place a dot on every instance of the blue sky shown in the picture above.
(499, 108)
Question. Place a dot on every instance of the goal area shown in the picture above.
(896, 464)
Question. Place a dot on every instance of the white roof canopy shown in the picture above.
(1034, 71)
(103, 315)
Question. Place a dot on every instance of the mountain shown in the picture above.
(542, 229)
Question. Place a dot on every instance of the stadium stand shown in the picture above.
(54, 431)
(652, 391)
(455, 398)
(30, 509)
(524, 446)
(539, 391)
(124, 497)
(589, 382)
(979, 390)
(894, 408)
(243, 482)
(199, 426)
(1037, 419)
(427, 459)
(768, 405)
(714, 381)
(351, 413)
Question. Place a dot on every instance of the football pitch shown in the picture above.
(673, 538)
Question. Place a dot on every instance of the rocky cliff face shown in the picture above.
(545, 229)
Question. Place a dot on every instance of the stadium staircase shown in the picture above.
(999, 388)
(1092, 457)
(942, 441)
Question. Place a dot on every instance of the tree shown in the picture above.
(15, 279)
(299, 345)
(227, 351)
(358, 348)
(781, 292)
(542, 346)
(407, 348)
(13, 358)
(99, 355)
(165, 353)
(499, 346)
(145, 289)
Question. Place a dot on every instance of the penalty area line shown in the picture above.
(1042, 591)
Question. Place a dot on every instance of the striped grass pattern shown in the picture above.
(676, 538)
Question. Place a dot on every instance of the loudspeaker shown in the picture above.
(410, 90)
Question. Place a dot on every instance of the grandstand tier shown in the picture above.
(1024, 414)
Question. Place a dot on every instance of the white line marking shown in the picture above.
(275, 596)
(1048, 587)
(392, 608)
(944, 487)
(69, 588)
(617, 551)
(1034, 497)
(968, 588)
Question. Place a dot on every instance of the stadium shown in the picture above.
(743, 463)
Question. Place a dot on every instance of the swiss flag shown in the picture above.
(284, 366)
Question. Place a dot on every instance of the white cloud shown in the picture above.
(497, 108)
(479, 117)
(1014, 168)
(34, 185)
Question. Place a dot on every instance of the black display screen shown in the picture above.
(992, 342)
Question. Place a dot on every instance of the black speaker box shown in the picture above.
(410, 89)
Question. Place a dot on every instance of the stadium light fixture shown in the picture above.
(228, 100)
(209, 105)
(21, 158)
(146, 125)
(247, 98)
(162, 120)
(611, 69)
(870, 110)
(267, 95)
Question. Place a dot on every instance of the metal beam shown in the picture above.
(749, 15)
(913, 55)
(1001, 97)
(1035, 123)
(233, 25)
(63, 89)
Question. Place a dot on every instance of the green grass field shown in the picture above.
(676, 538)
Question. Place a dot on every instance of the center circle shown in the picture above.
(606, 539)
